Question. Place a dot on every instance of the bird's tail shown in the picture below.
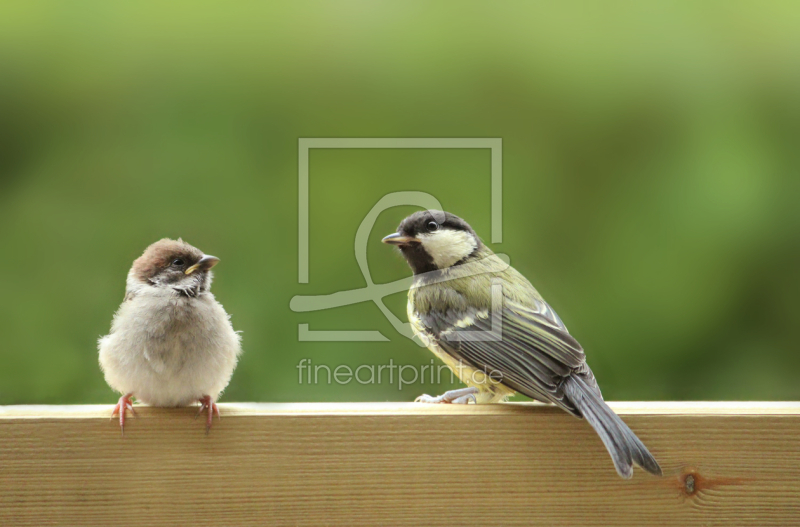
(623, 445)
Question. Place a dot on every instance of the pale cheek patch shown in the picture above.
(446, 246)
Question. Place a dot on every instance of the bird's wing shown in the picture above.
(529, 347)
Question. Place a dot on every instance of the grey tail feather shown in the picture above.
(620, 441)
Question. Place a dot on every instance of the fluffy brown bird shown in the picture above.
(171, 342)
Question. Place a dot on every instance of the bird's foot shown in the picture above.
(206, 403)
(460, 396)
(124, 404)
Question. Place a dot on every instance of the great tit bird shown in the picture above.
(498, 335)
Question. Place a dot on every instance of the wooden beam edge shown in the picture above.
(644, 408)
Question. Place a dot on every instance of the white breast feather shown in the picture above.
(169, 350)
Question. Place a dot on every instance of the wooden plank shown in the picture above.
(397, 464)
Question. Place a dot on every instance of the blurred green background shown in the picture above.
(651, 161)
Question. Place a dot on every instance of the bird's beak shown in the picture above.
(205, 263)
(400, 239)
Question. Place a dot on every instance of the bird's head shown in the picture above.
(432, 239)
(173, 264)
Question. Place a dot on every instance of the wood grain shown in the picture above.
(397, 464)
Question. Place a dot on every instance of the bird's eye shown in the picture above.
(432, 226)
(177, 262)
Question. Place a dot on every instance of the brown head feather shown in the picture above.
(160, 254)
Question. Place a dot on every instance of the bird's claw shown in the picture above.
(122, 405)
(460, 396)
(206, 403)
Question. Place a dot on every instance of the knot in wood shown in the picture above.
(688, 484)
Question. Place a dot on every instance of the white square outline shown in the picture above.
(305, 144)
